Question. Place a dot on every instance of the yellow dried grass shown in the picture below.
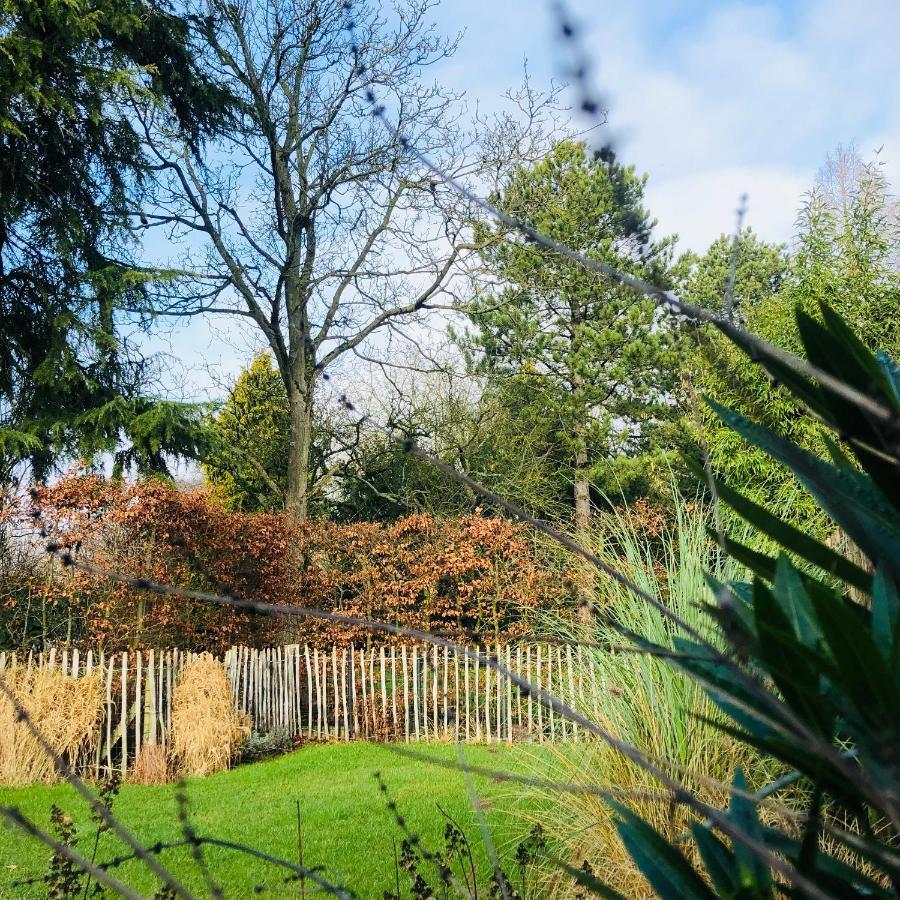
(65, 710)
(151, 766)
(207, 730)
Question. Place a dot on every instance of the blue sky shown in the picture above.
(712, 99)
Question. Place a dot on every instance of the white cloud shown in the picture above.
(747, 98)
(701, 206)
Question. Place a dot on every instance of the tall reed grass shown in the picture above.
(641, 699)
(65, 710)
(207, 731)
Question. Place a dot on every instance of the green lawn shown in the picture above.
(347, 828)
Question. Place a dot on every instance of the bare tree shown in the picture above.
(308, 217)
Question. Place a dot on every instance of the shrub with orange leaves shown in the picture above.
(466, 577)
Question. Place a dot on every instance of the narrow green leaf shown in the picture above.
(719, 861)
(731, 695)
(862, 673)
(794, 753)
(838, 457)
(886, 619)
(795, 668)
(754, 872)
(667, 870)
(852, 360)
(789, 591)
(891, 374)
(758, 563)
(833, 347)
(833, 873)
(799, 385)
(809, 844)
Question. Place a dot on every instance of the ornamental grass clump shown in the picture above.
(65, 710)
(151, 766)
(207, 731)
(637, 697)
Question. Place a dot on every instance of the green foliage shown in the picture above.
(819, 689)
(594, 362)
(640, 698)
(658, 705)
(267, 743)
(849, 248)
(450, 870)
(361, 474)
(248, 463)
(63, 877)
(488, 434)
(496, 434)
(715, 367)
(67, 195)
(847, 244)
(249, 441)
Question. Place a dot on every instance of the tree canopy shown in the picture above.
(71, 170)
(596, 361)
(845, 254)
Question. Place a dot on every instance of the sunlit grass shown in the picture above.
(347, 829)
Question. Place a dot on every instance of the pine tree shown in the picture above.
(596, 361)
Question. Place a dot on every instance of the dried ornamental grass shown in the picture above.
(65, 710)
(151, 766)
(207, 731)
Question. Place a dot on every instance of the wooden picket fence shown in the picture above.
(403, 692)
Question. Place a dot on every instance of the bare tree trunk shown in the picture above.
(582, 524)
(582, 493)
(576, 380)
(300, 436)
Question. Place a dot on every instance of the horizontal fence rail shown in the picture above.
(404, 692)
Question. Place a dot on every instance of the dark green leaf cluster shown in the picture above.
(71, 171)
